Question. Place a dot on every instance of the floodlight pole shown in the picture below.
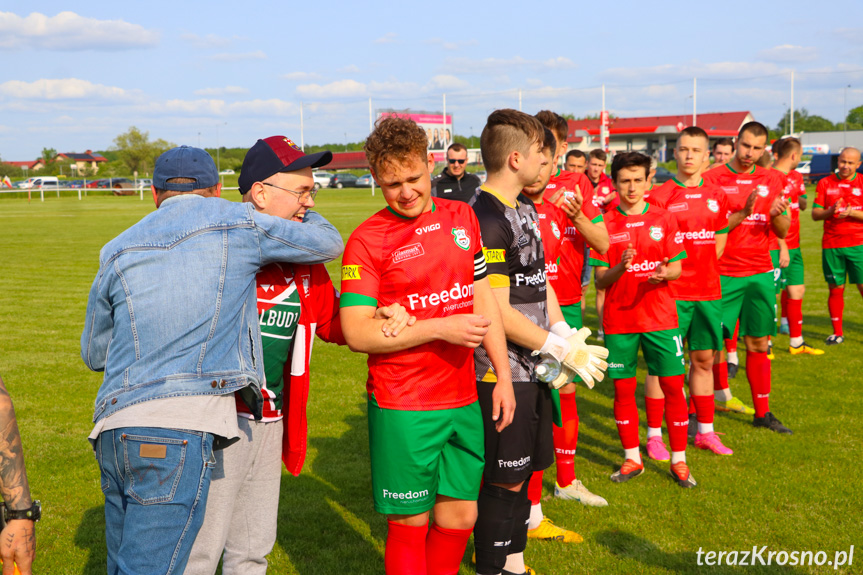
(302, 136)
(694, 93)
(791, 110)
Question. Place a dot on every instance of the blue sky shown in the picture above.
(231, 72)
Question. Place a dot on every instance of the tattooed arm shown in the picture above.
(18, 538)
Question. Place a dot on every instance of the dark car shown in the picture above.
(343, 181)
(662, 175)
(364, 181)
(74, 184)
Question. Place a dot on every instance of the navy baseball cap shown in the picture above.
(273, 155)
(185, 162)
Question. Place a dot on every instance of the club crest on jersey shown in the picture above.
(763, 191)
(461, 238)
(555, 230)
(713, 206)
(655, 233)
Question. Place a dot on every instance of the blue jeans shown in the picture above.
(155, 483)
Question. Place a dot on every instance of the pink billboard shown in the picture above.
(438, 129)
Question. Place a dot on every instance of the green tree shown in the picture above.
(48, 155)
(805, 122)
(855, 118)
(136, 152)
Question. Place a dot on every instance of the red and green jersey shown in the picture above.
(795, 190)
(632, 304)
(428, 264)
(278, 316)
(567, 285)
(552, 223)
(841, 232)
(747, 251)
(702, 213)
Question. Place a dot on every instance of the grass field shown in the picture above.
(798, 493)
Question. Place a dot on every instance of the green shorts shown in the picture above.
(837, 262)
(701, 323)
(663, 352)
(752, 300)
(418, 455)
(793, 274)
(572, 315)
(779, 274)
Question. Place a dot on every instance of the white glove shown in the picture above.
(586, 361)
(562, 329)
(556, 346)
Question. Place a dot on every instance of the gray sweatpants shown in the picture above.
(242, 507)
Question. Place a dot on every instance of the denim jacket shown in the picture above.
(173, 311)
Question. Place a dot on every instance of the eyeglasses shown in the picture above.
(302, 197)
(452, 161)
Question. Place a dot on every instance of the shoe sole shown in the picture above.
(683, 482)
(786, 431)
(620, 478)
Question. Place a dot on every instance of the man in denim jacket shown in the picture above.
(172, 321)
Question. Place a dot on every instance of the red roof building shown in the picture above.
(347, 161)
(34, 165)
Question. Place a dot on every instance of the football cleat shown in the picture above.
(711, 442)
(734, 405)
(627, 471)
(692, 427)
(770, 422)
(548, 531)
(783, 328)
(680, 473)
(527, 571)
(656, 449)
(576, 491)
(770, 355)
(834, 339)
(732, 369)
(804, 349)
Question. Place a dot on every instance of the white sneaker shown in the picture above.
(578, 492)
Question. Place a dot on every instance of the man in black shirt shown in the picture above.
(454, 183)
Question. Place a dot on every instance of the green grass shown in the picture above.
(789, 493)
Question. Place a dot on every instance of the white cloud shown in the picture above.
(301, 76)
(209, 41)
(449, 45)
(789, 53)
(69, 31)
(498, 66)
(387, 38)
(447, 82)
(65, 89)
(225, 91)
(238, 56)
(337, 89)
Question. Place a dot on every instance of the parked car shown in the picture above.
(322, 179)
(145, 183)
(41, 182)
(364, 181)
(343, 181)
(74, 184)
(228, 172)
(662, 175)
(804, 167)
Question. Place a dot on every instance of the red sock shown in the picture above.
(731, 344)
(406, 549)
(836, 305)
(758, 374)
(675, 411)
(654, 408)
(691, 405)
(566, 440)
(626, 412)
(783, 300)
(704, 408)
(795, 316)
(720, 375)
(534, 487)
(445, 549)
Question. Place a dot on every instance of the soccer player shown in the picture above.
(756, 207)
(723, 150)
(644, 256)
(425, 425)
(576, 161)
(787, 251)
(511, 144)
(839, 204)
(584, 228)
(702, 214)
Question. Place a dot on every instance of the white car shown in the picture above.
(804, 167)
(228, 172)
(322, 179)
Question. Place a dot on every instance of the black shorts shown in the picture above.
(527, 444)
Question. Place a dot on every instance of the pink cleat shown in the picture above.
(656, 449)
(712, 442)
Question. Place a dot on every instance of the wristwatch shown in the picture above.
(34, 513)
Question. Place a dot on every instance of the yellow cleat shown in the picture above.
(529, 571)
(735, 405)
(548, 531)
(804, 349)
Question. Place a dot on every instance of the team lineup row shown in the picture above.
(456, 304)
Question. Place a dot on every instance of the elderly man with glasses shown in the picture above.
(454, 183)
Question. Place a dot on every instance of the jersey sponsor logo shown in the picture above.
(699, 235)
(655, 233)
(457, 292)
(635, 225)
(551, 267)
(682, 207)
(744, 182)
(617, 238)
(757, 217)
(644, 266)
(555, 230)
(427, 229)
(517, 463)
(693, 196)
(461, 238)
(763, 191)
(615, 366)
(730, 189)
(408, 252)
(351, 272)
(406, 495)
(276, 318)
(494, 256)
(448, 190)
(713, 206)
(532, 280)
